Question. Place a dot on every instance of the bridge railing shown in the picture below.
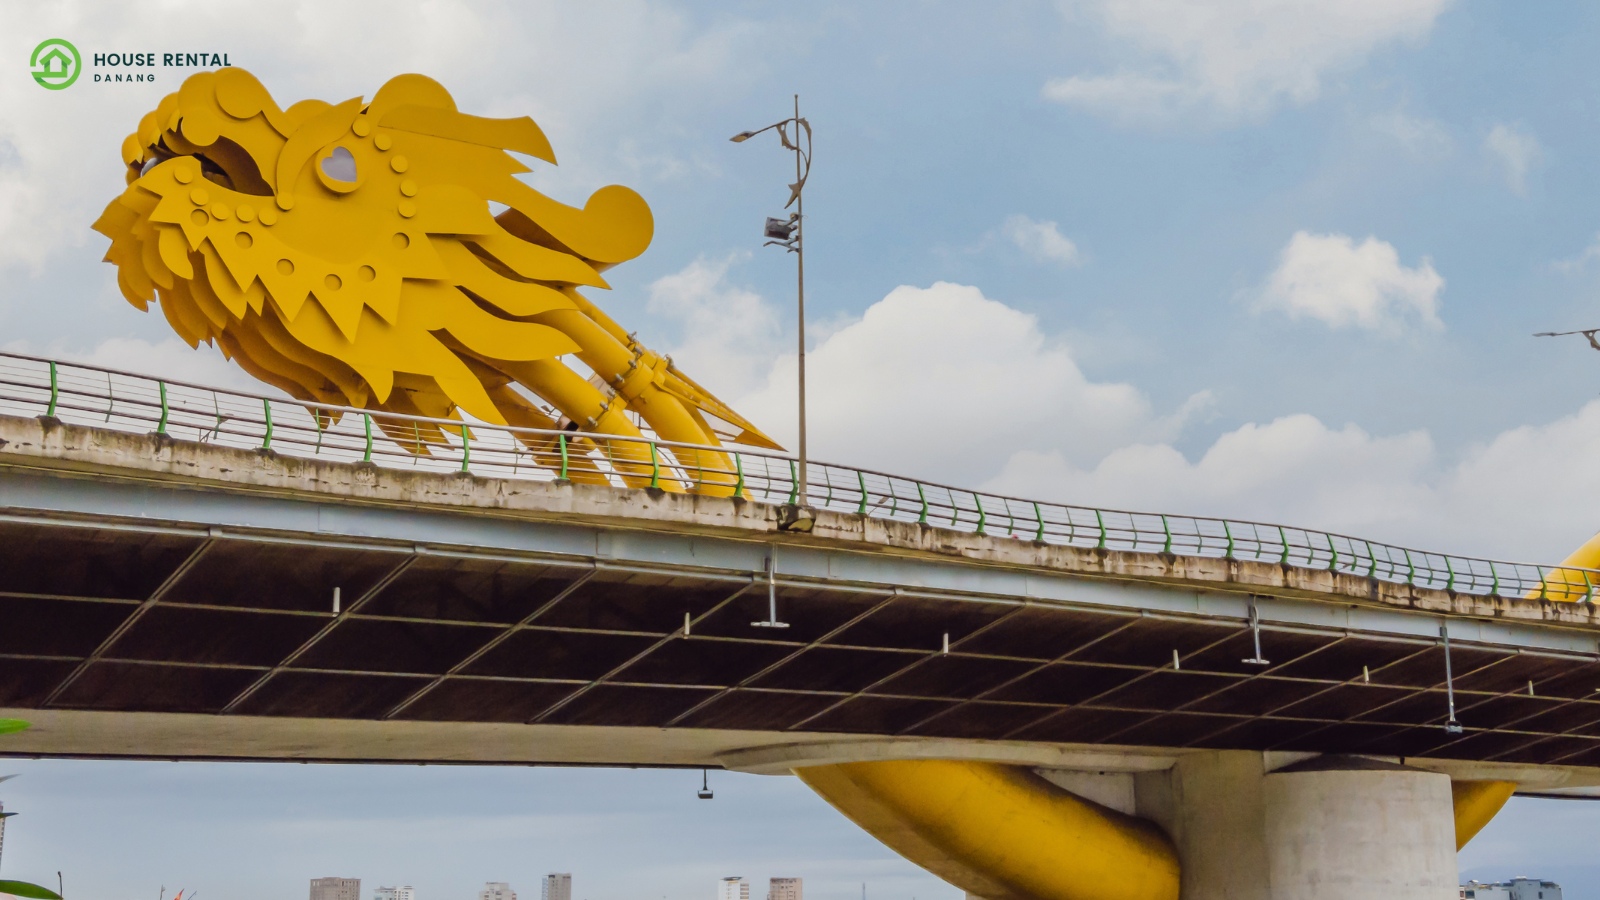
(106, 398)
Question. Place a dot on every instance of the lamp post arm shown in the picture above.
(747, 135)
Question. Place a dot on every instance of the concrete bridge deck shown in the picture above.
(172, 599)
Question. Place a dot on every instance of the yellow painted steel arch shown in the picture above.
(1000, 831)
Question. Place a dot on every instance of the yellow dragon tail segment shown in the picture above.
(1476, 802)
(346, 253)
(1572, 582)
(1001, 832)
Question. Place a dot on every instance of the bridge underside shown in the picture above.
(181, 616)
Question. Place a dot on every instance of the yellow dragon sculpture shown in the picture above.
(346, 254)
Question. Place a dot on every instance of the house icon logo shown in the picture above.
(55, 64)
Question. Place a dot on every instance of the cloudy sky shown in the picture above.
(1266, 258)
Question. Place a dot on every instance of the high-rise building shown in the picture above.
(556, 886)
(395, 893)
(335, 889)
(733, 887)
(784, 889)
(497, 890)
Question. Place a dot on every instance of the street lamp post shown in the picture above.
(789, 234)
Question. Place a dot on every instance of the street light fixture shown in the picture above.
(788, 233)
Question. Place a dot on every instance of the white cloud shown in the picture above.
(729, 334)
(1043, 241)
(169, 358)
(1232, 59)
(1330, 278)
(1517, 151)
(1528, 493)
(1421, 137)
(1294, 469)
(944, 383)
(940, 382)
(1582, 260)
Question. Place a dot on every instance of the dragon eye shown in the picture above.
(340, 165)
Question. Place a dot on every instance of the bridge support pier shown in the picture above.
(1329, 827)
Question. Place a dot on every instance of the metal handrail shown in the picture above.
(127, 401)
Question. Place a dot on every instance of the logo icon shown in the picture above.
(55, 64)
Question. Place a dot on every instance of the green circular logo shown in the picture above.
(55, 64)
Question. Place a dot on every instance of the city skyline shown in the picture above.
(554, 886)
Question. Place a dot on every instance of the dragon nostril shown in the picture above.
(339, 165)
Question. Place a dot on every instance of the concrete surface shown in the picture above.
(1334, 833)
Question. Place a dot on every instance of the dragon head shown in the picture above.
(346, 253)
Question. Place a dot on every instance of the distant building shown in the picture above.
(556, 886)
(335, 889)
(1519, 888)
(784, 889)
(733, 888)
(395, 893)
(497, 890)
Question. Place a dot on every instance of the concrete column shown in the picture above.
(1210, 804)
(1342, 827)
(1328, 828)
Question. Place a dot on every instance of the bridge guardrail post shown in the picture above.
(161, 424)
(266, 439)
(466, 448)
(561, 446)
(55, 392)
(366, 455)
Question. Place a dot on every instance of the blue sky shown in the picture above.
(1267, 259)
